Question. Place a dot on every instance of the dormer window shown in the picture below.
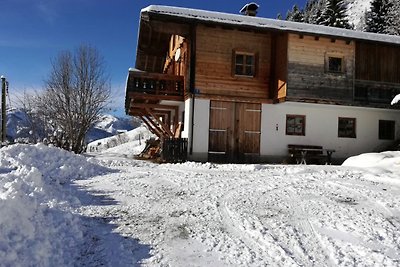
(245, 64)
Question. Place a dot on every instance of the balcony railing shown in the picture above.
(155, 83)
(375, 92)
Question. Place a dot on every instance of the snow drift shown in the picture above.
(37, 225)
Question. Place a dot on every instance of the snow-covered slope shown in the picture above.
(109, 125)
(19, 127)
(130, 141)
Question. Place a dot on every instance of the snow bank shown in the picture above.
(37, 226)
(379, 163)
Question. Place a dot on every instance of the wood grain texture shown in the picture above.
(214, 62)
(378, 62)
(308, 75)
(235, 130)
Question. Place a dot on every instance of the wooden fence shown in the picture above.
(174, 150)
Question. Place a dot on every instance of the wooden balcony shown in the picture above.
(144, 93)
(375, 92)
(154, 86)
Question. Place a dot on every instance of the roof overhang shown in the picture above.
(153, 39)
(194, 16)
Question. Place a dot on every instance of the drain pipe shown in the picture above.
(192, 83)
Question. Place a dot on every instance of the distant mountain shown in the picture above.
(19, 127)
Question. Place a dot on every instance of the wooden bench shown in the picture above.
(311, 153)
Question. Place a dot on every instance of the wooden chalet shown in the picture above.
(242, 88)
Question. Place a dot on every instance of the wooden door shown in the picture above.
(248, 131)
(221, 139)
(234, 132)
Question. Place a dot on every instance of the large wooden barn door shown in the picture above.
(248, 131)
(234, 134)
(221, 139)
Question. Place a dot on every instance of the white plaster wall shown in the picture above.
(187, 119)
(322, 128)
(200, 128)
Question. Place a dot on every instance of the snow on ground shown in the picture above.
(37, 227)
(124, 212)
(129, 142)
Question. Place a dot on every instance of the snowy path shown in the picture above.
(241, 215)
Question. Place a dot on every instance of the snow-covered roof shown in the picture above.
(265, 23)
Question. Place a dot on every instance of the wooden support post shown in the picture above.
(164, 127)
(155, 126)
(160, 129)
(152, 129)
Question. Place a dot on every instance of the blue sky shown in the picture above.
(32, 32)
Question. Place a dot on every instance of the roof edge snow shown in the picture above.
(267, 23)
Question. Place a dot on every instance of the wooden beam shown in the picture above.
(155, 126)
(164, 127)
(134, 95)
(155, 111)
(164, 112)
(155, 106)
(152, 129)
(170, 28)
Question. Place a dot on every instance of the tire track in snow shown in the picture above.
(310, 252)
(375, 206)
(261, 242)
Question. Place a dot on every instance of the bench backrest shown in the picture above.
(296, 149)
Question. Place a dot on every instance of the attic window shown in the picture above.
(244, 64)
(335, 64)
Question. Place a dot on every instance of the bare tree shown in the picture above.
(76, 92)
(34, 129)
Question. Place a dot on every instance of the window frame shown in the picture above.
(385, 135)
(328, 57)
(303, 125)
(353, 133)
(244, 64)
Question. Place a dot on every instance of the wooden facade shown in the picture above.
(215, 48)
(308, 74)
(184, 57)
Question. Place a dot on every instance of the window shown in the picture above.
(335, 64)
(245, 64)
(347, 127)
(295, 125)
(386, 130)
